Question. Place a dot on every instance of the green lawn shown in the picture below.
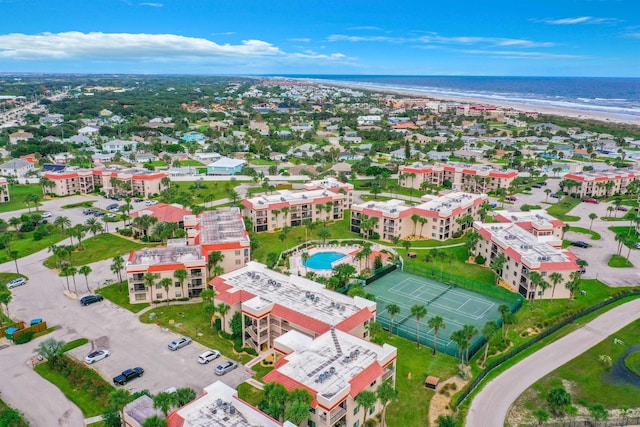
(192, 321)
(25, 245)
(97, 248)
(74, 344)
(7, 277)
(560, 209)
(585, 377)
(89, 406)
(412, 367)
(18, 193)
(191, 162)
(5, 407)
(118, 294)
(87, 204)
(206, 191)
(618, 261)
(594, 235)
(250, 394)
(262, 162)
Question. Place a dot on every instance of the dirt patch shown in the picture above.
(439, 404)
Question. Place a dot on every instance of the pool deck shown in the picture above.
(295, 260)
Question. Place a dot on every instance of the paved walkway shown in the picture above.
(490, 406)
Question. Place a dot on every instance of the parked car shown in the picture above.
(128, 375)
(16, 282)
(536, 186)
(98, 213)
(90, 299)
(208, 356)
(111, 215)
(493, 205)
(151, 202)
(138, 200)
(554, 196)
(225, 367)
(88, 211)
(112, 207)
(622, 208)
(96, 356)
(590, 200)
(580, 244)
(179, 343)
(46, 215)
(511, 198)
(542, 183)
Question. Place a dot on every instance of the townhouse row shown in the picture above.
(459, 177)
(113, 181)
(601, 183)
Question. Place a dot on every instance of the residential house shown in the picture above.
(163, 212)
(119, 146)
(4, 190)
(21, 135)
(16, 168)
(226, 166)
(193, 136)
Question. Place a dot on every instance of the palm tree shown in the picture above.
(213, 259)
(436, 323)
(223, 309)
(164, 401)
(572, 285)
(422, 222)
(488, 331)
(32, 198)
(367, 400)
(155, 420)
(5, 298)
(166, 282)
(418, 311)
(505, 312)
(468, 331)
(324, 234)
(305, 256)
(118, 399)
(93, 225)
(181, 274)
(63, 223)
(209, 299)
(555, 279)
(415, 218)
(536, 280)
(117, 265)
(149, 280)
(386, 393)
(85, 270)
(592, 216)
(497, 264)
(392, 309)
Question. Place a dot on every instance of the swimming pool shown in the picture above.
(323, 260)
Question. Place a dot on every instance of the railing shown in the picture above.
(334, 416)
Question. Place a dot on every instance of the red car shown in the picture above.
(511, 198)
(590, 200)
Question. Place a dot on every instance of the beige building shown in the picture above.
(273, 303)
(4, 190)
(437, 217)
(334, 367)
(221, 230)
(473, 178)
(601, 183)
(537, 222)
(524, 253)
(112, 181)
(269, 212)
(162, 262)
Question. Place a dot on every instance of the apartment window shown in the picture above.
(158, 296)
(178, 294)
(238, 252)
(372, 384)
(158, 286)
(238, 262)
(356, 410)
(356, 424)
(140, 297)
(177, 284)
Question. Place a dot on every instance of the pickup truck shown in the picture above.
(128, 375)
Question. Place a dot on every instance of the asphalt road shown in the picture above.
(490, 406)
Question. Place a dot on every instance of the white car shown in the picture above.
(46, 215)
(16, 282)
(96, 356)
(208, 356)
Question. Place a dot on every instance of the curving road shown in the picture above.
(490, 406)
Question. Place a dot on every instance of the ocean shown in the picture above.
(615, 96)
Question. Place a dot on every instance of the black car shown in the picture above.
(90, 299)
(580, 244)
(554, 196)
(128, 375)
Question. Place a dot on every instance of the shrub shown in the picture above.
(480, 259)
(126, 232)
(37, 235)
(24, 338)
(250, 350)
(456, 234)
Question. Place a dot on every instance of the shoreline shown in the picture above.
(609, 118)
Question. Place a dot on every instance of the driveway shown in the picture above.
(131, 344)
(490, 406)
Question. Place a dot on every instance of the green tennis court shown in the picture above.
(456, 306)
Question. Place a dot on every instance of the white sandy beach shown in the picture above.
(549, 110)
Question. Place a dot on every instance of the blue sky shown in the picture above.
(501, 38)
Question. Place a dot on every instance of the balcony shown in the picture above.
(387, 374)
(334, 416)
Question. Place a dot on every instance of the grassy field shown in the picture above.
(25, 245)
(618, 261)
(250, 394)
(560, 209)
(89, 406)
(208, 191)
(87, 204)
(7, 277)
(99, 247)
(630, 232)
(192, 321)
(584, 377)
(413, 365)
(18, 193)
(117, 293)
(594, 235)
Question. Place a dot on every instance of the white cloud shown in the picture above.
(225, 33)
(124, 46)
(579, 20)
(151, 4)
(300, 39)
(310, 54)
(343, 37)
(434, 38)
(366, 28)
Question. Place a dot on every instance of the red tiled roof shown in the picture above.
(357, 319)
(164, 212)
(365, 378)
(300, 319)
